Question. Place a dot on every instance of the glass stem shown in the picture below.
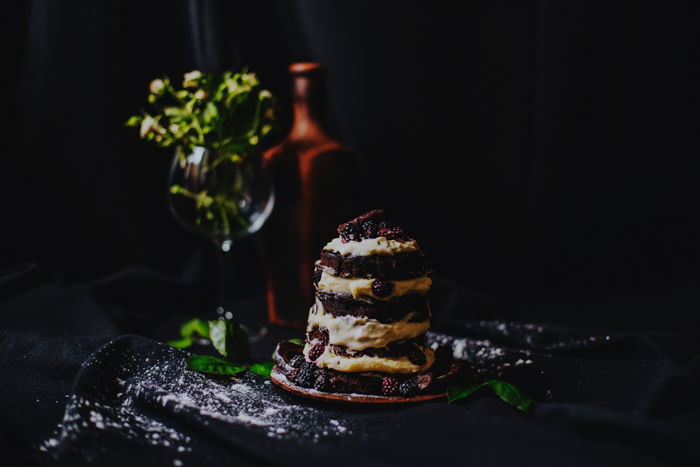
(222, 256)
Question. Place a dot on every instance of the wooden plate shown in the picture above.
(280, 380)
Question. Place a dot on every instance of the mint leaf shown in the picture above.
(213, 365)
(508, 393)
(189, 330)
(455, 393)
(181, 343)
(230, 340)
(262, 369)
(195, 326)
(511, 394)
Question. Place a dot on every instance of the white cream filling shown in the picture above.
(371, 246)
(358, 333)
(359, 288)
(329, 359)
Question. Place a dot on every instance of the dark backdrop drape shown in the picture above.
(537, 149)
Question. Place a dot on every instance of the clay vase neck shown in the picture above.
(307, 91)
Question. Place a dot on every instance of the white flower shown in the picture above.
(150, 124)
(191, 78)
(157, 86)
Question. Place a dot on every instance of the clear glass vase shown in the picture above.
(220, 196)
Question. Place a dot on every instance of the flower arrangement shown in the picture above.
(216, 122)
(228, 111)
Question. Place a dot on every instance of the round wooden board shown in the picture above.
(280, 380)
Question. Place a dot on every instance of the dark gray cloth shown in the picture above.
(603, 397)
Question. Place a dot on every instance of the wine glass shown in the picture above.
(220, 196)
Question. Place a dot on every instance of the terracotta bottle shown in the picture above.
(316, 188)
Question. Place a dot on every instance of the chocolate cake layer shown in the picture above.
(291, 363)
(383, 311)
(386, 267)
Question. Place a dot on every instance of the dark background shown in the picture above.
(540, 151)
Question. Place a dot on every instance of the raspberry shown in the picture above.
(417, 357)
(315, 352)
(393, 233)
(382, 289)
(296, 361)
(390, 386)
(323, 383)
(408, 388)
(304, 376)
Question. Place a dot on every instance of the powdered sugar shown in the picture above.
(150, 399)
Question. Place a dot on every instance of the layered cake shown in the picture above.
(367, 329)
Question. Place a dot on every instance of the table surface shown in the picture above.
(86, 380)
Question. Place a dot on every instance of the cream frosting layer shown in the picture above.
(362, 288)
(371, 246)
(358, 333)
(329, 359)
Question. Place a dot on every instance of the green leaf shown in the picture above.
(180, 343)
(262, 369)
(189, 330)
(508, 393)
(455, 393)
(230, 340)
(296, 340)
(511, 394)
(195, 326)
(213, 365)
(134, 120)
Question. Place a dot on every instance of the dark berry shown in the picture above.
(316, 276)
(323, 382)
(383, 225)
(417, 357)
(390, 386)
(296, 361)
(349, 232)
(369, 229)
(305, 376)
(382, 289)
(393, 233)
(315, 352)
(408, 388)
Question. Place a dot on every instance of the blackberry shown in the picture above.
(315, 352)
(393, 233)
(390, 386)
(408, 388)
(305, 376)
(316, 276)
(296, 361)
(318, 334)
(349, 232)
(417, 357)
(382, 289)
(323, 382)
(369, 229)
